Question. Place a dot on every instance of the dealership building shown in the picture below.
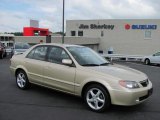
(123, 36)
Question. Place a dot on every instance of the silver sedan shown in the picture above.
(152, 59)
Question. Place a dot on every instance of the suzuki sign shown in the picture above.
(140, 27)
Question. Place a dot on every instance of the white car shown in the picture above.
(20, 47)
(155, 59)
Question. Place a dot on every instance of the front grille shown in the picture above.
(143, 98)
(144, 83)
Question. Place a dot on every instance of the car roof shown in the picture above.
(20, 43)
(60, 45)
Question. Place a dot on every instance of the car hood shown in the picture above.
(122, 72)
(20, 50)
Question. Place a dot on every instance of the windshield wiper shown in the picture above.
(103, 64)
(90, 65)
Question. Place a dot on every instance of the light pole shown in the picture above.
(63, 23)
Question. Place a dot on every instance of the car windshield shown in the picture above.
(22, 46)
(86, 56)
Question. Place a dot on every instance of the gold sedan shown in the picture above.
(80, 71)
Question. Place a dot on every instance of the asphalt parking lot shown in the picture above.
(39, 103)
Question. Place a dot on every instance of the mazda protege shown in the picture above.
(80, 71)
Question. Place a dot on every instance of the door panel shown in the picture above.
(35, 70)
(156, 58)
(159, 59)
(35, 62)
(153, 59)
(56, 74)
(59, 76)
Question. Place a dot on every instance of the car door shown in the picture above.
(156, 58)
(56, 74)
(35, 62)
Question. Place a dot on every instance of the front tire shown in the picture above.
(97, 98)
(147, 61)
(22, 80)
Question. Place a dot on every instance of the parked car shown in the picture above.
(20, 47)
(3, 52)
(152, 59)
(80, 71)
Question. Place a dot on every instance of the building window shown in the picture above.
(102, 34)
(2, 38)
(73, 33)
(147, 34)
(80, 33)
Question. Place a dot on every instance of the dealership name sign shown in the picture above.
(140, 27)
(94, 26)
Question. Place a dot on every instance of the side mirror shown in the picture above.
(67, 62)
(154, 55)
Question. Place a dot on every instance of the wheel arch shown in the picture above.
(91, 83)
(146, 59)
(19, 69)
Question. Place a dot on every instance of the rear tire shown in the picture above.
(97, 98)
(147, 61)
(1, 56)
(5, 54)
(22, 80)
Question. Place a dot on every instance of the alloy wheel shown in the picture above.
(21, 80)
(95, 98)
(147, 61)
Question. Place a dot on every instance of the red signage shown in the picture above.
(127, 26)
(32, 31)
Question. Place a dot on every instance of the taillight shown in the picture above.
(11, 61)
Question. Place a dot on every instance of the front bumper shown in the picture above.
(132, 97)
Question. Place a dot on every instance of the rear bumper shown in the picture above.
(12, 70)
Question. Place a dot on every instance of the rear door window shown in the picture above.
(38, 53)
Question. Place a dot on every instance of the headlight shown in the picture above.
(129, 84)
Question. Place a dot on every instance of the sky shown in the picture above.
(15, 14)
